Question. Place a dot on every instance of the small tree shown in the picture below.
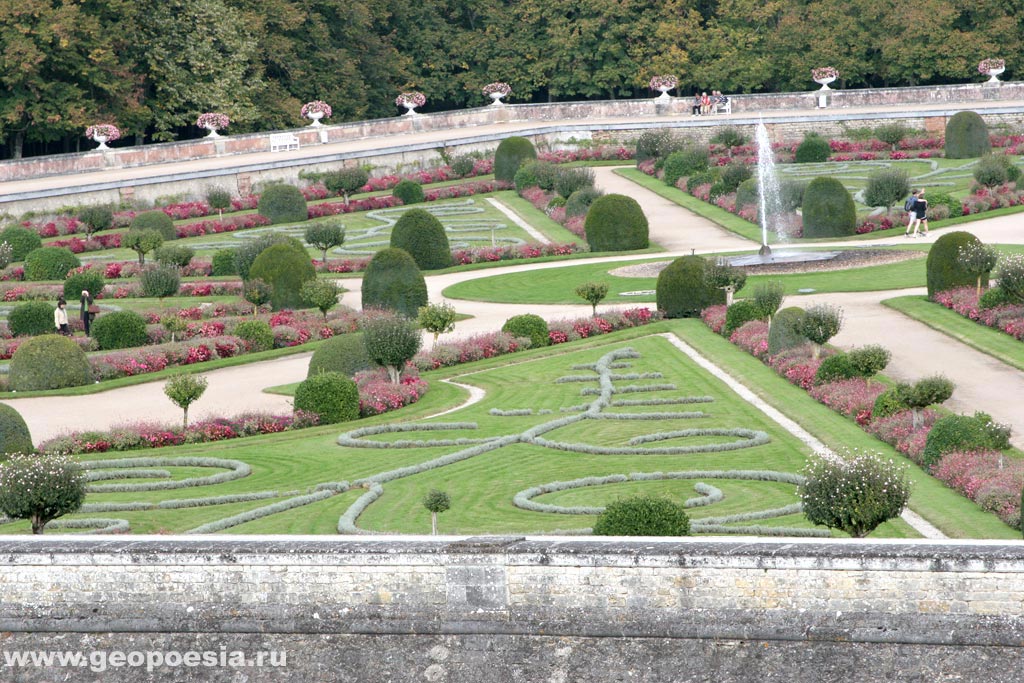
(721, 275)
(160, 281)
(258, 293)
(643, 516)
(978, 259)
(729, 137)
(819, 324)
(40, 488)
(218, 198)
(437, 319)
(892, 134)
(345, 181)
(184, 390)
(768, 297)
(436, 501)
(173, 324)
(886, 187)
(142, 242)
(593, 292)
(926, 392)
(96, 218)
(391, 342)
(321, 294)
(853, 492)
(325, 235)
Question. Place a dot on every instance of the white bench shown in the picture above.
(283, 141)
(724, 108)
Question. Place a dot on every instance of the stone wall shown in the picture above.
(511, 609)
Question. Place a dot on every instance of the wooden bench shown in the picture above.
(283, 141)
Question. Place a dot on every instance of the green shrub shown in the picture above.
(256, 333)
(31, 318)
(785, 331)
(422, 235)
(992, 170)
(684, 290)
(869, 360)
(155, 220)
(50, 263)
(281, 203)
(342, 353)
(820, 323)
(177, 255)
(963, 433)
(392, 281)
(556, 202)
(791, 194)
(96, 218)
(993, 297)
(923, 393)
(285, 269)
(252, 247)
(119, 330)
(616, 222)
(1010, 274)
(739, 314)
(944, 271)
(160, 281)
(90, 280)
(813, 149)
(22, 241)
(717, 190)
(391, 342)
(886, 187)
(643, 516)
(747, 194)
(579, 202)
(462, 166)
(534, 327)
(409, 191)
(14, 434)
(224, 262)
(835, 368)
(346, 181)
(573, 178)
(708, 177)
(684, 162)
(829, 210)
(887, 404)
(40, 488)
(510, 155)
(320, 294)
(733, 174)
(535, 174)
(51, 361)
(331, 395)
(658, 143)
(854, 492)
(892, 134)
(966, 136)
(768, 297)
(956, 207)
(729, 137)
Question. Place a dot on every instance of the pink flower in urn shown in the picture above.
(213, 121)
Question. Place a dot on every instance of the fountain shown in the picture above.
(767, 185)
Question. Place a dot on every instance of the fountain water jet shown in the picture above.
(767, 185)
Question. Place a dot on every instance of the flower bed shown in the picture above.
(1008, 318)
(377, 394)
(988, 478)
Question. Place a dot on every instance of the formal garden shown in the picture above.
(572, 408)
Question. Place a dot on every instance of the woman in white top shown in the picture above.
(60, 318)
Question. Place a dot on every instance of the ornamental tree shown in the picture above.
(768, 297)
(926, 392)
(593, 293)
(345, 181)
(436, 501)
(437, 319)
(1010, 276)
(886, 187)
(391, 342)
(258, 293)
(184, 390)
(142, 242)
(977, 259)
(854, 491)
(320, 294)
(819, 324)
(40, 488)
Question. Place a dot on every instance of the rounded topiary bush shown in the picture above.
(746, 193)
(155, 220)
(616, 222)
(813, 149)
(528, 325)
(245, 255)
(51, 361)
(393, 281)
(739, 314)
(422, 235)
(14, 434)
(31, 318)
(835, 368)
(22, 240)
(510, 155)
(943, 267)
(784, 332)
(962, 433)
(683, 290)
(684, 162)
(733, 174)
(572, 179)
(256, 333)
(285, 269)
(829, 210)
(119, 330)
(409, 191)
(967, 136)
(50, 263)
(643, 516)
(223, 262)
(888, 403)
(342, 353)
(281, 203)
(160, 281)
(331, 395)
(535, 174)
(174, 255)
(992, 170)
(580, 201)
(90, 280)
(993, 297)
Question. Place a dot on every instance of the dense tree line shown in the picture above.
(152, 66)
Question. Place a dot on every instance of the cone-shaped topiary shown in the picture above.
(14, 434)
(22, 240)
(944, 270)
(331, 395)
(51, 361)
(528, 325)
(409, 191)
(421, 234)
(967, 136)
(828, 209)
(616, 222)
(50, 263)
(285, 269)
(281, 203)
(119, 330)
(392, 281)
(155, 220)
(342, 353)
(683, 288)
(511, 153)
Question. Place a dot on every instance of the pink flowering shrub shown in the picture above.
(989, 478)
(377, 394)
(898, 431)
(752, 337)
(853, 398)
(1008, 318)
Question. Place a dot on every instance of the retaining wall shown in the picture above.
(513, 609)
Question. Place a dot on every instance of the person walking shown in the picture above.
(87, 310)
(921, 212)
(60, 318)
(910, 206)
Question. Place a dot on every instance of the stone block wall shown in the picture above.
(513, 609)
